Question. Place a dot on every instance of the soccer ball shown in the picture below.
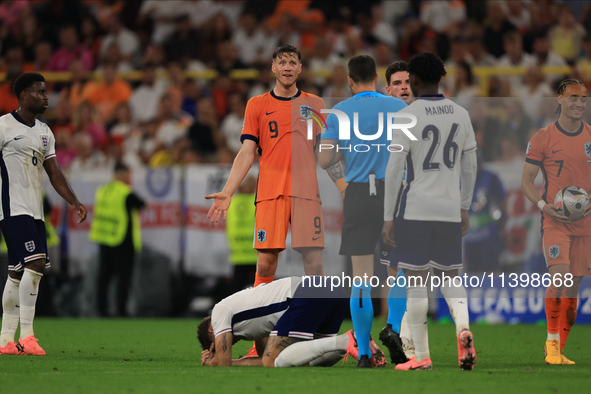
(571, 202)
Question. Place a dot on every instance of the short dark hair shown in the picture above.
(469, 76)
(203, 333)
(120, 167)
(428, 67)
(25, 81)
(287, 49)
(362, 69)
(394, 68)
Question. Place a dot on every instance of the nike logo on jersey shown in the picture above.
(556, 151)
(315, 238)
(18, 138)
(269, 113)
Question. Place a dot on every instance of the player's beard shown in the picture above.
(287, 86)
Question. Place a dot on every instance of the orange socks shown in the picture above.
(553, 310)
(262, 279)
(567, 318)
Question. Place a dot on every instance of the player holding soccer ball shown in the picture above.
(562, 151)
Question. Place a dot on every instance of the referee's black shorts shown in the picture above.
(364, 218)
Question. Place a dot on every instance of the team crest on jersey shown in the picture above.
(261, 235)
(305, 111)
(45, 141)
(30, 246)
(554, 251)
(588, 149)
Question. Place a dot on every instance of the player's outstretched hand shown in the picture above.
(220, 206)
(587, 212)
(552, 211)
(388, 233)
(465, 222)
(80, 211)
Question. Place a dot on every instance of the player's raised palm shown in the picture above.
(220, 206)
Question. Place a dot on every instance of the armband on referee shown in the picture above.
(541, 204)
(341, 184)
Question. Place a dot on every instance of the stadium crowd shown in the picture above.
(168, 117)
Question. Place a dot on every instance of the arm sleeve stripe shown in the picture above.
(468, 150)
(249, 137)
(532, 161)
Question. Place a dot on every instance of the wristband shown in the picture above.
(341, 184)
(541, 204)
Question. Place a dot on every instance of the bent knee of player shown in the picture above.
(269, 361)
(37, 265)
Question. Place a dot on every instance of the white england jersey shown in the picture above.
(443, 131)
(252, 313)
(23, 149)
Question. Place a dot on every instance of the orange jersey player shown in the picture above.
(275, 126)
(562, 151)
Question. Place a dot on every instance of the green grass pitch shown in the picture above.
(162, 356)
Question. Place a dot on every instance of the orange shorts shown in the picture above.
(274, 216)
(563, 248)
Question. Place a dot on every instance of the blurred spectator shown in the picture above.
(477, 54)
(382, 54)
(65, 151)
(201, 11)
(464, 82)
(15, 59)
(322, 59)
(203, 134)
(85, 121)
(79, 87)
(339, 85)
(443, 16)
(515, 57)
(11, 12)
(69, 50)
(354, 44)
(287, 31)
(293, 8)
(585, 59)
(228, 58)
(221, 88)
(518, 122)
(547, 113)
(176, 84)
(8, 101)
(518, 14)
(252, 43)
(567, 36)
(173, 124)
(581, 10)
(533, 91)
(217, 31)
(30, 33)
(510, 151)
(184, 42)
(382, 29)
(172, 156)
(162, 14)
(113, 56)
(264, 83)
(191, 94)
(126, 40)
(231, 126)
(311, 27)
(122, 125)
(146, 97)
(87, 158)
(498, 27)
(105, 10)
(486, 129)
(89, 33)
(63, 117)
(42, 56)
(546, 56)
(108, 93)
(543, 13)
(155, 54)
(488, 213)
(413, 35)
(147, 145)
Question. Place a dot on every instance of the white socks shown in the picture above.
(318, 352)
(457, 301)
(10, 305)
(553, 336)
(28, 290)
(417, 306)
(404, 329)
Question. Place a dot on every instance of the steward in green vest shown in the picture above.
(116, 228)
(240, 235)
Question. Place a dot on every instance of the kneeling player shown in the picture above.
(276, 318)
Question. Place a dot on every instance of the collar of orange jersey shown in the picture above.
(563, 131)
(286, 98)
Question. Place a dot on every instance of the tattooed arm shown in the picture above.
(336, 172)
(276, 345)
(221, 351)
